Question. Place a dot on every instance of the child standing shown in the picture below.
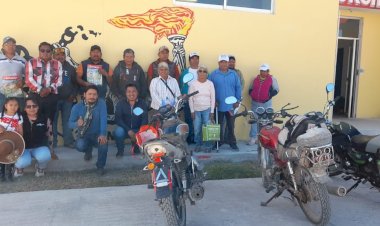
(10, 120)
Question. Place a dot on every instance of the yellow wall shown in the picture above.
(298, 41)
(369, 81)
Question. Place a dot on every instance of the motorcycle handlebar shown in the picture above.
(192, 94)
(244, 113)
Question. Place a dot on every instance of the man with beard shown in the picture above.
(89, 119)
(95, 71)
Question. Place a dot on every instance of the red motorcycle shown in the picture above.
(294, 159)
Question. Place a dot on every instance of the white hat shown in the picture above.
(264, 67)
(193, 54)
(223, 57)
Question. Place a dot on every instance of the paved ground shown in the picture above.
(227, 202)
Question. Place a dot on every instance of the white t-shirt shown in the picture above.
(10, 122)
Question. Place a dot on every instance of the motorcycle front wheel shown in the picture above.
(174, 207)
(313, 198)
(266, 163)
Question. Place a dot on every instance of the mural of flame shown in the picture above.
(163, 22)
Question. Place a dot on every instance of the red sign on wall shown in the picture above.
(364, 4)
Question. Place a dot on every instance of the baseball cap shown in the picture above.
(223, 57)
(58, 50)
(95, 47)
(193, 54)
(162, 48)
(264, 67)
(7, 39)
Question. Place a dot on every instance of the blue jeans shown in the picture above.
(64, 107)
(201, 118)
(41, 154)
(255, 105)
(120, 135)
(85, 145)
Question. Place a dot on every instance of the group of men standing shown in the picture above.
(55, 83)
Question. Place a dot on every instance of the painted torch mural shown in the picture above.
(174, 23)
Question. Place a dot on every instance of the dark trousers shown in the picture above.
(189, 121)
(48, 104)
(229, 120)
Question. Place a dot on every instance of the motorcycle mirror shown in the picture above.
(138, 111)
(188, 77)
(230, 100)
(330, 87)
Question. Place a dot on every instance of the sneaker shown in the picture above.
(234, 147)
(252, 141)
(119, 154)
(40, 172)
(18, 172)
(87, 156)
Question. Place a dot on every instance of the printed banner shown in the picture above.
(363, 4)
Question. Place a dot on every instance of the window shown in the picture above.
(250, 5)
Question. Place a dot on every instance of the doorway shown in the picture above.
(347, 68)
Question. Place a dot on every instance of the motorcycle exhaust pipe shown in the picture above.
(196, 192)
(339, 191)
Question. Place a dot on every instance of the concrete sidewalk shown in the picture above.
(227, 202)
(72, 160)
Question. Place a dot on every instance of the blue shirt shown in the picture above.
(98, 126)
(226, 84)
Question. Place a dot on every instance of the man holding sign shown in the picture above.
(95, 71)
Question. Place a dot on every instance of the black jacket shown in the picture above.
(123, 76)
(126, 119)
(35, 133)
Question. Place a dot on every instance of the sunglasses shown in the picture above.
(45, 50)
(31, 106)
(202, 71)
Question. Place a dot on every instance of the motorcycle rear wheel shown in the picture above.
(313, 198)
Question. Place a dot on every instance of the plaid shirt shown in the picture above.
(40, 74)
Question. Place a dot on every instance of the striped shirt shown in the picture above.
(160, 93)
(11, 71)
(40, 74)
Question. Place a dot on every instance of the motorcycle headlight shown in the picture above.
(155, 150)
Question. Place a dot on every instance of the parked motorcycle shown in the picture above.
(357, 156)
(294, 158)
(176, 175)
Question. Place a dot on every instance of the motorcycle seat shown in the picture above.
(366, 143)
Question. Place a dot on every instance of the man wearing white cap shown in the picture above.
(226, 83)
(193, 69)
(12, 71)
(262, 89)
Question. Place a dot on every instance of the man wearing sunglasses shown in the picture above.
(12, 70)
(43, 76)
